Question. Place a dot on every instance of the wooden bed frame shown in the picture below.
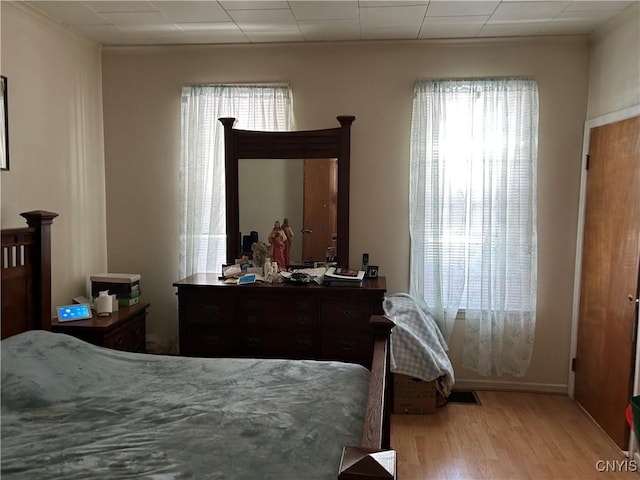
(26, 305)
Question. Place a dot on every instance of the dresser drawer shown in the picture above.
(210, 311)
(270, 344)
(129, 337)
(209, 341)
(346, 316)
(347, 347)
(278, 315)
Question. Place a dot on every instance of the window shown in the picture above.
(473, 214)
(202, 176)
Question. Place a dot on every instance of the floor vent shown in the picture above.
(463, 396)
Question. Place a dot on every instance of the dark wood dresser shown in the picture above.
(122, 330)
(277, 321)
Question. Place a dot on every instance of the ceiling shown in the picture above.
(246, 22)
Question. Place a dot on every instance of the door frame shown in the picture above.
(613, 117)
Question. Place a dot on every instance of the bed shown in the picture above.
(74, 410)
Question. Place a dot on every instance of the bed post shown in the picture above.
(41, 222)
(374, 459)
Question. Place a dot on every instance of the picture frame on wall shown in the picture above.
(4, 125)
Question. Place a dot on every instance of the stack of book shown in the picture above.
(125, 286)
(343, 277)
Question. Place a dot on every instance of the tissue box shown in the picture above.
(123, 285)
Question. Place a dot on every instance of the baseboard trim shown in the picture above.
(472, 384)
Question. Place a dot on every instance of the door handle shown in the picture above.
(306, 230)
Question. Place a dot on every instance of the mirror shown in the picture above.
(292, 150)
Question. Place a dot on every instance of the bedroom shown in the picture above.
(96, 137)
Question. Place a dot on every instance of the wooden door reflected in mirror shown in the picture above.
(320, 227)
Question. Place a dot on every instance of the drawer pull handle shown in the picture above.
(303, 344)
(118, 341)
(347, 345)
(210, 339)
(136, 330)
(348, 313)
(212, 310)
(304, 321)
(254, 341)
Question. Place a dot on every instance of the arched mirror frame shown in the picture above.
(251, 144)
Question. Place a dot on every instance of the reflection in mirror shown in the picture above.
(319, 238)
(303, 191)
(270, 190)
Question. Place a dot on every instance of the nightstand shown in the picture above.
(122, 330)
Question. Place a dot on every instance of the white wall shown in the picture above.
(614, 71)
(55, 142)
(373, 81)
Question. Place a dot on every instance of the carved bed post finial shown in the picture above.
(41, 222)
(359, 463)
(346, 120)
(228, 122)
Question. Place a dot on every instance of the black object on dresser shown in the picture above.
(122, 330)
(277, 320)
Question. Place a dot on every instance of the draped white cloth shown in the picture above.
(202, 174)
(473, 215)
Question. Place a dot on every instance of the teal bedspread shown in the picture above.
(71, 410)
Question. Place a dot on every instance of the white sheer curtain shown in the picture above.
(202, 177)
(473, 215)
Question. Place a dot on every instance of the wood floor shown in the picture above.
(509, 436)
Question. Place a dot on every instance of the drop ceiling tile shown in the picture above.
(208, 27)
(214, 37)
(451, 27)
(193, 11)
(392, 3)
(257, 5)
(333, 30)
(441, 8)
(388, 17)
(325, 10)
(156, 29)
(137, 18)
(559, 27)
(120, 7)
(157, 38)
(105, 34)
(265, 36)
(584, 6)
(527, 10)
(71, 13)
(589, 16)
(454, 31)
(512, 29)
(264, 20)
(396, 33)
